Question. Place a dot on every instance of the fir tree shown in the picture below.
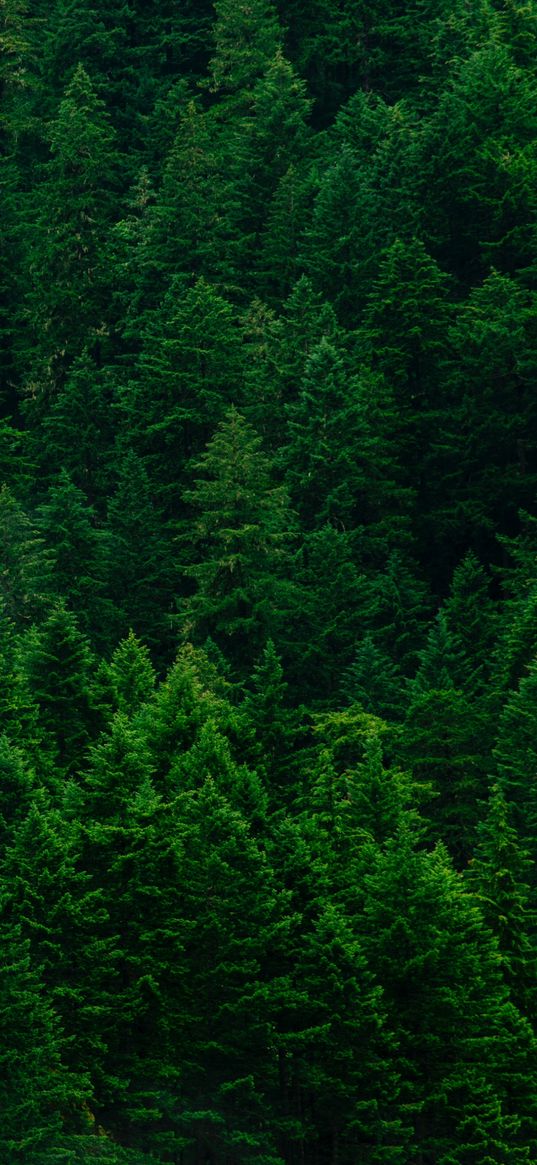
(499, 876)
(70, 283)
(57, 663)
(467, 1050)
(241, 537)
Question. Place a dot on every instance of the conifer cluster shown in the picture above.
(268, 584)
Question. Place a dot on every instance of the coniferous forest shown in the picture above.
(268, 582)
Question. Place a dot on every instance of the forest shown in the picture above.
(268, 582)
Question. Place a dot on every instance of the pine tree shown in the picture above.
(516, 755)
(446, 739)
(262, 382)
(128, 681)
(271, 723)
(325, 612)
(246, 38)
(467, 1052)
(306, 319)
(517, 640)
(333, 243)
(16, 784)
(26, 574)
(67, 524)
(499, 875)
(241, 539)
(342, 457)
(78, 429)
(279, 132)
(188, 370)
(57, 663)
(35, 1089)
(478, 200)
(472, 618)
(197, 228)
(485, 433)
(141, 573)
(191, 695)
(374, 681)
(398, 605)
(404, 333)
(64, 919)
(67, 303)
(279, 263)
(342, 1064)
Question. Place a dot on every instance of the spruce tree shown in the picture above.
(446, 739)
(374, 681)
(499, 876)
(241, 539)
(68, 526)
(57, 663)
(246, 37)
(188, 370)
(467, 1051)
(140, 568)
(78, 430)
(36, 1091)
(68, 293)
(516, 755)
(26, 575)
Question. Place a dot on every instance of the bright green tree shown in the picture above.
(467, 1051)
(499, 876)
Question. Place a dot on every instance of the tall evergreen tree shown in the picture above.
(466, 1049)
(241, 539)
(57, 663)
(499, 875)
(66, 304)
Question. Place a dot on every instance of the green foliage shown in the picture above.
(35, 1089)
(246, 38)
(57, 663)
(268, 600)
(68, 526)
(499, 875)
(69, 288)
(446, 998)
(140, 571)
(26, 570)
(189, 369)
(241, 535)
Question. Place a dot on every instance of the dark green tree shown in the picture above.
(27, 573)
(188, 371)
(70, 285)
(57, 663)
(35, 1090)
(246, 37)
(516, 755)
(141, 573)
(68, 526)
(78, 430)
(241, 538)
(374, 681)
